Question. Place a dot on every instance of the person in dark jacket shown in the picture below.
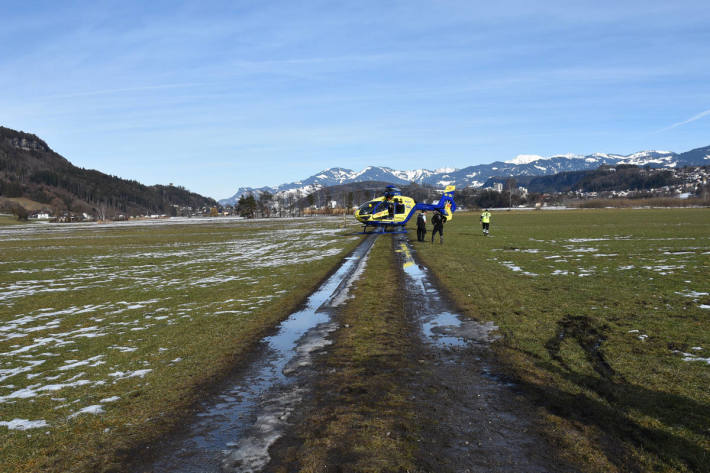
(421, 226)
(438, 221)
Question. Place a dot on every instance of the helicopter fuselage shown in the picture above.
(383, 211)
(394, 209)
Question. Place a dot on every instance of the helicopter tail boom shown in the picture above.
(446, 204)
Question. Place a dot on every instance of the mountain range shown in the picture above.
(477, 176)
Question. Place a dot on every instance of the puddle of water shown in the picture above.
(436, 329)
(235, 429)
(439, 326)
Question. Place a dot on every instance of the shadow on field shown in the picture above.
(623, 398)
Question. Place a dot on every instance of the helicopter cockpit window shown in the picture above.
(399, 208)
(367, 208)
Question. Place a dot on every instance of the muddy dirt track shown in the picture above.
(468, 418)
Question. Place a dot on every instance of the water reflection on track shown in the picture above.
(475, 420)
(440, 327)
(234, 429)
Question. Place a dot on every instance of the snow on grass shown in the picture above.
(81, 304)
(24, 424)
(515, 268)
(71, 364)
(6, 373)
(583, 250)
(691, 357)
(664, 269)
(692, 294)
(93, 409)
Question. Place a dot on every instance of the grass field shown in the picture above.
(605, 317)
(108, 332)
(6, 219)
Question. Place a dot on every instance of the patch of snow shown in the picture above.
(124, 349)
(664, 269)
(692, 293)
(6, 373)
(24, 424)
(95, 409)
(71, 364)
(510, 265)
(129, 374)
(691, 357)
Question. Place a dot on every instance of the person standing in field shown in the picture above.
(485, 221)
(421, 226)
(438, 221)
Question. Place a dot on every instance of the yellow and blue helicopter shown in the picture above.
(393, 210)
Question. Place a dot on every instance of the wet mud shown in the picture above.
(233, 429)
(474, 418)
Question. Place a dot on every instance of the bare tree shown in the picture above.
(510, 186)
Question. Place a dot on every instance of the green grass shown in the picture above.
(10, 220)
(602, 319)
(137, 319)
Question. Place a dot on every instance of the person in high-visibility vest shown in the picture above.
(486, 221)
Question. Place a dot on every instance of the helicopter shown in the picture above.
(393, 210)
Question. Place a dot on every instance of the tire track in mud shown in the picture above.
(473, 420)
(233, 429)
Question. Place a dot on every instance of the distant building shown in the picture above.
(498, 187)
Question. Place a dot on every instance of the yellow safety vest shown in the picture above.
(486, 217)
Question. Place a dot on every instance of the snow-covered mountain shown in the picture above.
(475, 176)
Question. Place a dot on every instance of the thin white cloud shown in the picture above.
(123, 90)
(685, 122)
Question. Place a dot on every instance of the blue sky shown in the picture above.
(218, 95)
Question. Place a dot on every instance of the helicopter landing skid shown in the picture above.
(382, 230)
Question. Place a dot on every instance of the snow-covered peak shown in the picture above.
(567, 156)
(643, 158)
(646, 154)
(525, 159)
(412, 174)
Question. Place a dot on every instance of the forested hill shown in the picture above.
(606, 178)
(30, 169)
